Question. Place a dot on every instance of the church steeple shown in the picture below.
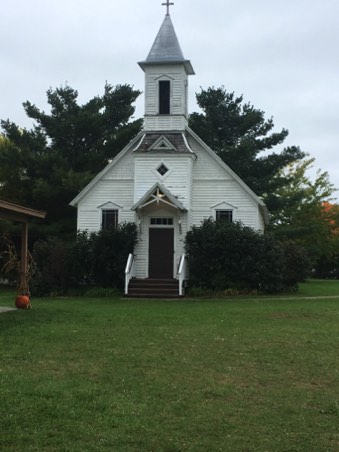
(166, 80)
(166, 48)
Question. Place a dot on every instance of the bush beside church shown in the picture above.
(223, 256)
(97, 259)
(229, 256)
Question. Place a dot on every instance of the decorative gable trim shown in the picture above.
(164, 77)
(162, 144)
(170, 142)
(110, 205)
(187, 145)
(224, 205)
(140, 142)
(159, 194)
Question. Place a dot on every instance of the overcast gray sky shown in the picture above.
(282, 55)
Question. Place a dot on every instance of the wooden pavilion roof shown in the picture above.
(16, 212)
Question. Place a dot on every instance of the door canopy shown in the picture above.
(158, 195)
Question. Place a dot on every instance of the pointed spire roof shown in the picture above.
(166, 48)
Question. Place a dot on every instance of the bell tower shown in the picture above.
(166, 81)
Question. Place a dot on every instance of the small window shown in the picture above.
(164, 97)
(224, 215)
(109, 219)
(162, 221)
(162, 169)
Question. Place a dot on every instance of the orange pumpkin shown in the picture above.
(23, 302)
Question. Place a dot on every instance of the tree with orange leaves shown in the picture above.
(308, 216)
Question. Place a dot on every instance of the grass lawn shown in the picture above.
(85, 374)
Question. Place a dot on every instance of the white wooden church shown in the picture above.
(165, 180)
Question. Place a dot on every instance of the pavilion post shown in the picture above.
(24, 259)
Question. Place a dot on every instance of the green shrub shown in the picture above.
(297, 264)
(95, 259)
(51, 275)
(229, 256)
(110, 250)
(327, 267)
(80, 260)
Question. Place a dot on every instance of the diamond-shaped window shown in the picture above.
(162, 169)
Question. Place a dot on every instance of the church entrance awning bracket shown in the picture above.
(158, 195)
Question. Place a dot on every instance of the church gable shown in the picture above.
(210, 165)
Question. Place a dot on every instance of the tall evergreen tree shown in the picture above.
(46, 166)
(240, 134)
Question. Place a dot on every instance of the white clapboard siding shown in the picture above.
(177, 119)
(176, 74)
(123, 169)
(177, 180)
(140, 256)
(88, 220)
(261, 223)
(206, 167)
(118, 192)
(214, 183)
(208, 193)
(165, 122)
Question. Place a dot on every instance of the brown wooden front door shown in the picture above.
(161, 250)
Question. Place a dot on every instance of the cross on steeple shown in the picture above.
(168, 4)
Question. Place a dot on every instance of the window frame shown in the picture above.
(228, 215)
(162, 169)
(164, 97)
(107, 226)
(161, 221)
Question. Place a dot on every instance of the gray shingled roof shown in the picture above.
(166, 48)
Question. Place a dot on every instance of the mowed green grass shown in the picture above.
(194, 375)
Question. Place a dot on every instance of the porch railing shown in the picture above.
(129, 271)
(182, 273)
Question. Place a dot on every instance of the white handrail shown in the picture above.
(182, 273)
(129, 271)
